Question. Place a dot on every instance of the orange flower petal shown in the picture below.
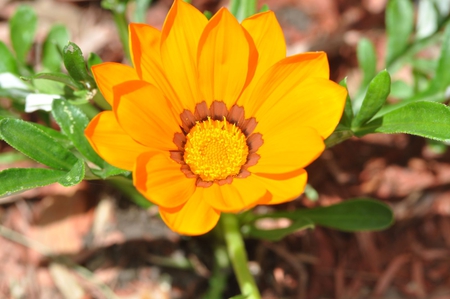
(111, 142)
(223, 59)
(316, 102)
(195, 217)
(179, 40)
(237, 196)
(145, 48)
(144, 113)
(109, 74)
(281, 78)
(268, 37)
(287, 149)
(282, 187)
(160, 179)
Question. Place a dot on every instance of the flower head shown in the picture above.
(213, 117)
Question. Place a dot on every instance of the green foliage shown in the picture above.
(93, 59)
(73, 122)
(351, 215)
(56, 39)
(375, 98)
(33, 142)
(347, 116)
(367, 61)
(399, 27)
(20, 179)
(7, 62)
(23, 25)
(74, 176)
(426, 119)
(59, 77)
(76, 66)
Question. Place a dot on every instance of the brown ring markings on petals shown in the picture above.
(217, 111)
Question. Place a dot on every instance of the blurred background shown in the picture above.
(92, 241)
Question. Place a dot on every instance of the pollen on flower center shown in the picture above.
(215, 149)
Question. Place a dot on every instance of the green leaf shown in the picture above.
(73, 122)
(93, 59)
(427, 19)
(401, 90)
(76, 66)
(276, 234)
(375, 97)
(347, 116)
(7, 62)
(360, 214)
(442, 78)
(60, 138)
(351, 215)
(108, 171)
(20, 179)
(56, 39)
(33, 142)
(11, 157)
(399, 26)
(74, 176)
(59, 77)
(367, 60)
(23, 25)
(426, 119)
(239, 297)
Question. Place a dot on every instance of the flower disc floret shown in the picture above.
(215, 149)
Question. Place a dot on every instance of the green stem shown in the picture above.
(140, 11)
(234, 7)
(238, 256)
(122, 27)
(249, 8)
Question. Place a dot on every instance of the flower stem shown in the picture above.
(234, 7)
(122, 28)
(238, 256)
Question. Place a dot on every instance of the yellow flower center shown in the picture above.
(215, 149)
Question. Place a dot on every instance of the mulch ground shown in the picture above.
(130, 251)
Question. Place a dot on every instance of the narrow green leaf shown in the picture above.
(20, 179)
(23, 25)
(33, 142)
(108, 171)
(11, 157)
(74, 176)
(56, 39)
(276, 234)
(375, 97)
(367, 60)
(426, 119)
(359, 214)
(347, 116)
(59, 77)
(76, 66)
(427, 19)
(442, 78)
(93, 59)
(7, 62)
(399, 26)
(351, 215)
(73, 122)
(401, 90)
(60, 138)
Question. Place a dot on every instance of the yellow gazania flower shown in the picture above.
(214, 117)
